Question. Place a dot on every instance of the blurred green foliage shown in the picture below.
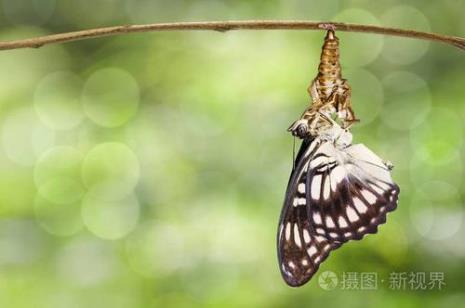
(149, 170)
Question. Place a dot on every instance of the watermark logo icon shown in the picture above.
(328, 280)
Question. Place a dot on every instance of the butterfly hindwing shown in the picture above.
(356, 192)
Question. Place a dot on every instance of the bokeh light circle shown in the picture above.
(407, 100)
(367, 94)
(61, 190)
(24, 137)
(110, 97)
(424, 169)
(58, 218)
(111, 170)
(57, 100)
(435, 210)
(59, 168)
(59, 161)
(436, 145)
(110, 219)
(399, 50)
(358, 50)
(440, 136)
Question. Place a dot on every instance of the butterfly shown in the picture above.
(337, 191)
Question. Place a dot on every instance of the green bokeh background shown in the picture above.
(149, 170)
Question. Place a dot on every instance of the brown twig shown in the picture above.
(223, 26)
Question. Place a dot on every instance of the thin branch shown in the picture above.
(223, 26)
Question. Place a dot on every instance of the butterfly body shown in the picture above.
(337, 192)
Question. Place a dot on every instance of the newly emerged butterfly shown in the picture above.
(337, 192)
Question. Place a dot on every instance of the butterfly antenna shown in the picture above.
(293, 155)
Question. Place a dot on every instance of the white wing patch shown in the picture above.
(337, 175)
(326, 188)
(317, 218)
(360, 206)
(288, 231)
(297, 236)
(370, 197)
(299, 201)
(377, 189)
(312, 251)
(329, 222)
(342, 222)
(316, 187)
(321, 160)
(351, 214)
(307, 237)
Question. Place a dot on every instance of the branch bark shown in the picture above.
(223, 26)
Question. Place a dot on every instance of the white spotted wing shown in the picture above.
(334, 195)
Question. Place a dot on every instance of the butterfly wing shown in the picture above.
(300, 250)
(356, 192)
(332, 196)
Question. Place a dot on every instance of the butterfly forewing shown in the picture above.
(300, 250)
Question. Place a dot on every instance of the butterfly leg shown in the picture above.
(344, 105)
(313, 91)
(307, 123)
